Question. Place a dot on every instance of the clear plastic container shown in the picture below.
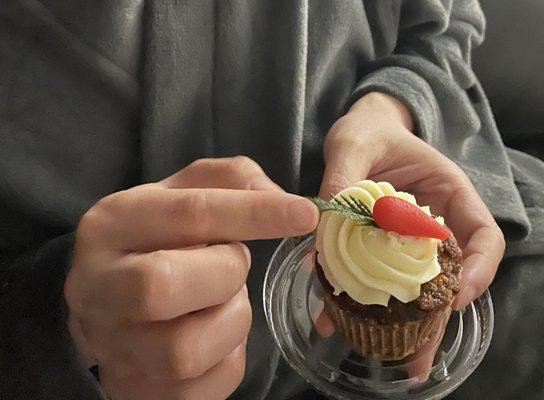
(293, 300)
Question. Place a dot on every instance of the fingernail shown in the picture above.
(465, 296)
(303, 216)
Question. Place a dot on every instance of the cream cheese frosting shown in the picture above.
(368, 263)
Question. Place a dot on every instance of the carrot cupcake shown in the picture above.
(389, 268)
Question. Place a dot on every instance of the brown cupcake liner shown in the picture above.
(386, 342)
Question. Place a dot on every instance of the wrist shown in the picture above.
(385, 106)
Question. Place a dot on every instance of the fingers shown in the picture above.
(482, 256)
(227, 173)
(221, 380)
(480, 238)
(182, 348)
(419, 365)
(215, 384)
(155, 218)
(166, 284)
(322, 323)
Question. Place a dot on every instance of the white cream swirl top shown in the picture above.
(368, 263)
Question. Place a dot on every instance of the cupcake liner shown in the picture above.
(385, 342)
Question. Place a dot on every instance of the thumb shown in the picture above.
(345, 164)
(335, 178)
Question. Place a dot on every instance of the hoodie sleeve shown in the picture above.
(60, 151)
(430, 71)
(37, 358)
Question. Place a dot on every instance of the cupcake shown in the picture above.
(389, 268)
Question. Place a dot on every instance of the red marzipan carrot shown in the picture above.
(393, 214)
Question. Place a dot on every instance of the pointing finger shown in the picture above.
(228, 173)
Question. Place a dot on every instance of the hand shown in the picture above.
(374, 140)
(156, 293)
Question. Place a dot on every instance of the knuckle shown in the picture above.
(201, 163)
(353, 141)
(246, 173)
(345, 139)
(242, 165)
(345, 126)
(244, 162)
(97, 218)
(342, 124)
(91, 224)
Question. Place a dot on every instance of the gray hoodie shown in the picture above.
(100, 96)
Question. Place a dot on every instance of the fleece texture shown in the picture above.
(100, 96)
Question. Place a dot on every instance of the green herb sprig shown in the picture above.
(348, 207)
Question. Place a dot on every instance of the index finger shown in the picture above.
(223, 173)
(159, 218)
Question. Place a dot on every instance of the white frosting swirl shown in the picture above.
(368, 263)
